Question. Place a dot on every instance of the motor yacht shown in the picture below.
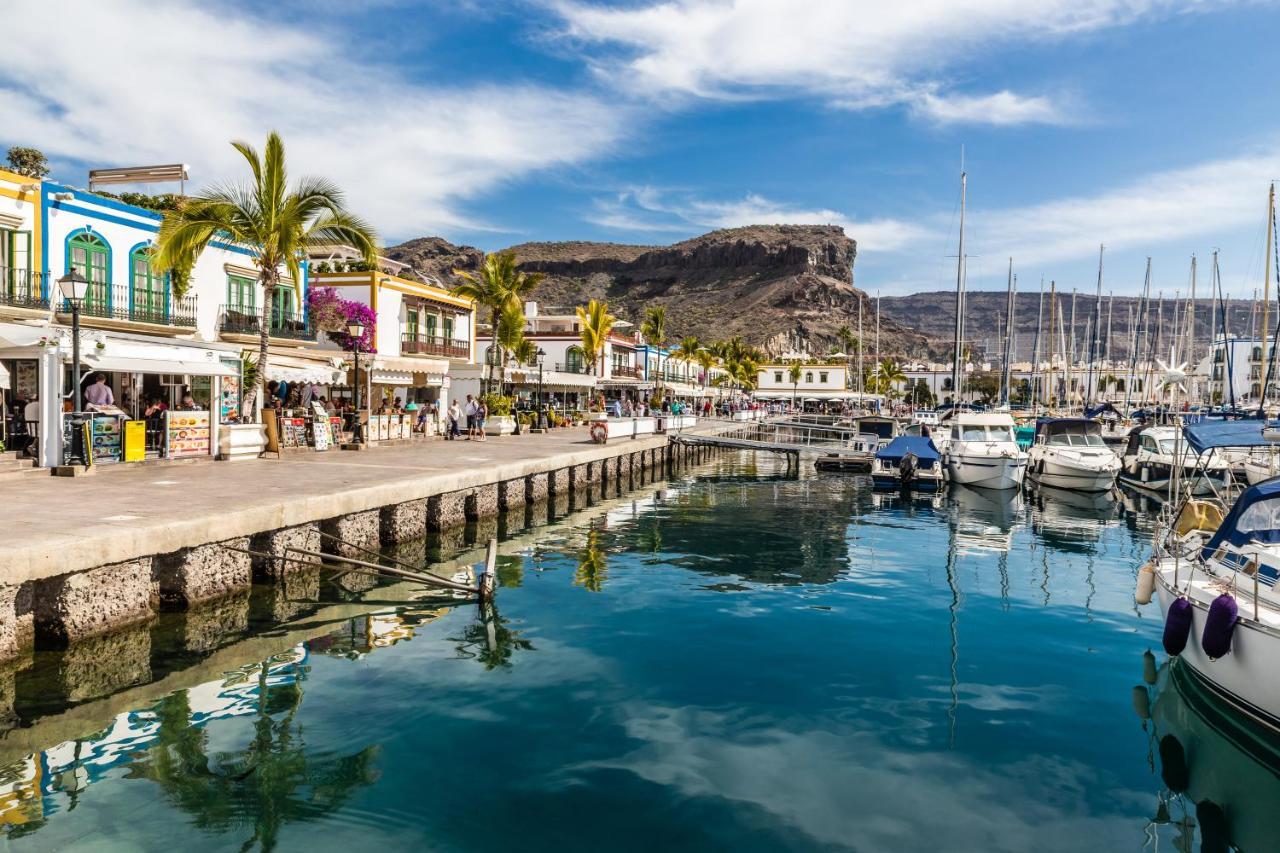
(1069, 453)
(1148, 462)
(981, 451)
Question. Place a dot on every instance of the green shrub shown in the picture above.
(497, 404)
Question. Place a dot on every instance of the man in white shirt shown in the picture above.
(471, 410)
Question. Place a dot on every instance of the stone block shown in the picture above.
(537, 487)
(404, 521)
(482, 530)
(289, 596)
(360, 529)
(513, 521)
(579, 476)
(482, 502)
(274, 542)
(559, 481)
(447, 511)
(72, 607)
(90, 668)
(12, 639)
(192, 575)
(512, 493)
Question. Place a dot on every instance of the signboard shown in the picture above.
(107, 438)
(26, 379)
(320, 427)
(135, 441)
(229, 396)
(187, 433)
(293, 432)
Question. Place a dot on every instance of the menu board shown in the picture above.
(293, 432)
(26, 378)
(135, 441)
(107, 436)
(335, 430)
(229, 400)
(321, 436)
(187, 433)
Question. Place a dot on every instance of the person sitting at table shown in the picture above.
(188, 403)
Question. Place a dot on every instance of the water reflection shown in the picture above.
(1219, 771)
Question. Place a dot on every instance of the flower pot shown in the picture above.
(241, 441)
(499, 425)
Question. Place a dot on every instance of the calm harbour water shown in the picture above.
(733, 661)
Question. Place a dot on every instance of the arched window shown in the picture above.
(148, 292)
(574, 360)
(91, 257)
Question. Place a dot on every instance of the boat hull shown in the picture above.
(888, 482)
(1249, 676)
(1158, 480)
(987, 472)
(1063, 475)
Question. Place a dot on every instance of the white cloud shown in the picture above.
(176, 82)
(1193, 203)
(653, 210)
(855, 53)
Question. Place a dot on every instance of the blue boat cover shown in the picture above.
(1094, 411)
(1255, 517)
(1214, 433)
(902, 445)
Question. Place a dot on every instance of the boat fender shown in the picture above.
(1146, 472)
(1177, 626)
(1219, 625)
(1146, 584)
(1173, 764)
(1215, 832)
(1149, 672)
(1141, 702)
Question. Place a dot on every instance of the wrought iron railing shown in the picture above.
(247, 320)
(434, 345)
(626, 370)
(572, 368)
(22, 289)
(139, 305)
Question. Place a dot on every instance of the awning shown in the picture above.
(291, 368)
(20, 335)
(4, 376)
(405, 364)
(119, 364)
(391, 377)
(1244, 433)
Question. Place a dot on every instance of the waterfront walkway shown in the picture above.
(57, 525)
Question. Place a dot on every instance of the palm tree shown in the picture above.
(847, 339)
(654, 329)
(508, 335)
(706, 360)
(499, 284)
(277, 223)
(596, 323)
(795, 372)
(889, 375)
(688, 349)
(593, 566)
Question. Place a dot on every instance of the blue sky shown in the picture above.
(1147, 125)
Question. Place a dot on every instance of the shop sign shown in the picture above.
(135, 441)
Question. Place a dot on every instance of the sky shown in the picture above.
(1148, 126)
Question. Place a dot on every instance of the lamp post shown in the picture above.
(75, 288)
(542, 412)
(355, 329)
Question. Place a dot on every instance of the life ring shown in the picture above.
(599, 432)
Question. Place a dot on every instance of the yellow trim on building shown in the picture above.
(31, 197)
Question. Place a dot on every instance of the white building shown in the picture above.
(818, 382)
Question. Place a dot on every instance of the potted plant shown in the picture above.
(499, 421)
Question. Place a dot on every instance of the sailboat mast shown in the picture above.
(1097, 321)
(955, 366)
(1007, 392)
(861, 385)
(1266, 298)
(1035, 350)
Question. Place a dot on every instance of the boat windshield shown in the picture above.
(1167, 446)
(1063, 439)
(986, 433)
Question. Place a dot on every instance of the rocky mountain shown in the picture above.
(933, 314)
(780, 287)
(435, 258)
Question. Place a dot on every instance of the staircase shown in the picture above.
(13, 467)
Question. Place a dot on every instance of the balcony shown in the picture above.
(130, 305)
(246, 320)
(625, 370)
(581, 369)
(434, 345)
(23, 289)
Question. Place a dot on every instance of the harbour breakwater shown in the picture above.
(56, 598)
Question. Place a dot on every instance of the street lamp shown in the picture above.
(355, 330)
(542, 412)
(75, 288)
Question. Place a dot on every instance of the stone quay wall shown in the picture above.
(126, 579)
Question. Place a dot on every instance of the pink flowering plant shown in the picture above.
(330, 313)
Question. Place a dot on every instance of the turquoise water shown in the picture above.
(734, 661)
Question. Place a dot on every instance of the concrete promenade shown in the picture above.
(84, 556)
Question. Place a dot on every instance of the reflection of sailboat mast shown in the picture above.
(955, 635)
(1093, 589)
(1002, 562)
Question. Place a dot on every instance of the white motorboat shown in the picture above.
(1215, 579)
(1261, 465)
(981, 451)
(1069, 453)
(1149, 462)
